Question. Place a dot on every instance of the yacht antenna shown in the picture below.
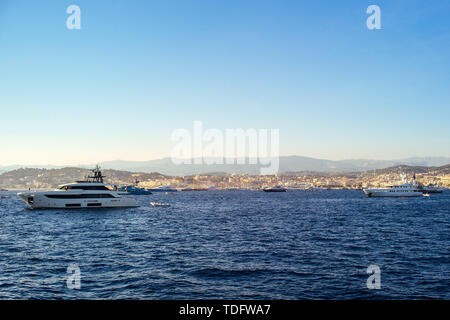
(97, 177)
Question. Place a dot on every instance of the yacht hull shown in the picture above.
(40, 201)
(385, 193)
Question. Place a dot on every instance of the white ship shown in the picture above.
(406, 189)
(92, 193)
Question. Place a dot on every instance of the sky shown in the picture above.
(137, 70)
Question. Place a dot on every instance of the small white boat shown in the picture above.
(158, 204)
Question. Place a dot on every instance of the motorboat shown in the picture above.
(134, 189)
(157, 204)
(91, 193)
(275, 189)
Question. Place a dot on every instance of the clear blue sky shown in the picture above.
(137, 70)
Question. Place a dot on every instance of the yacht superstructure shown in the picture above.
(92, 193)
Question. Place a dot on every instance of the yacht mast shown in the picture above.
(97, 177)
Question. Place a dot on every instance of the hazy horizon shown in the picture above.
(167, 157)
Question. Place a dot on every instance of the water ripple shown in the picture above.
(230, 244)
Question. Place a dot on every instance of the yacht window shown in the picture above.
(84, 188)
(79, 196)
(88, 188)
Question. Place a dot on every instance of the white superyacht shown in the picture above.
(406, 189)
(92, 193)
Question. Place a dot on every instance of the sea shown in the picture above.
(230, 245)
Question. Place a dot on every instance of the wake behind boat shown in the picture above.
(92, 193)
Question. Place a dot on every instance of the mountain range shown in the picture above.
(287, 164)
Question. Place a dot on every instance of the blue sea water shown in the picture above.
(230, 245)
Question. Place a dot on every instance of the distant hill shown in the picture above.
(51, 178)
(441, 170)
(287, 164)
(14, 167)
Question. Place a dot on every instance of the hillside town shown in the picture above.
(304, 180)
(51, 178)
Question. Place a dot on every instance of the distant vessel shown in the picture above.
(303, 186)
(163, 189)
(194, 189)
(431, 189)
(91, 193)
(133, 189)
(275, 189)
(158, 204)
(407, 189)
